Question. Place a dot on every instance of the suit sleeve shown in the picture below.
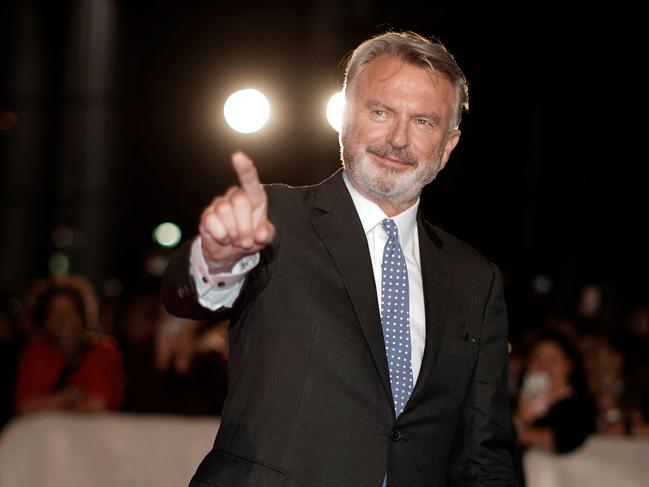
(179, 294)
(179, 289)
(481, 451)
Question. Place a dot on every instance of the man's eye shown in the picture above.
(379, 113)
(423, 122)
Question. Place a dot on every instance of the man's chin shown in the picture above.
(391, 190)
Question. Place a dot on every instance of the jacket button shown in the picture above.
(183, 291)
(396, 435)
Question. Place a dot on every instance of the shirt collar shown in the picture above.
(371, 214)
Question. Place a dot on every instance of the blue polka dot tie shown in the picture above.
(395, 317)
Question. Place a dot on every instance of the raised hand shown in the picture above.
(236, 223)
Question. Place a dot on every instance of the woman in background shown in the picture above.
(554, 410)
(66, 364)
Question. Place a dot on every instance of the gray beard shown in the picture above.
(384, 183)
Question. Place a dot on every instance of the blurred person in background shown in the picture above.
(604, 364)
(12, 341)
(554, 410)
(67, 364)
(136, 335)
(618, 374)
(637, 369)
(173, 366)
(195, 365)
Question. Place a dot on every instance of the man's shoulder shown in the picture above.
(458, 251)
(329, 189)
(282, 191)
(287, 189)
(286, 202)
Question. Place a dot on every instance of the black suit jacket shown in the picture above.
(310, 402)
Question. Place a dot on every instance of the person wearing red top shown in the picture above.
(65, 365)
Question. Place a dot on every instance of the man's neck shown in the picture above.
(390, 208)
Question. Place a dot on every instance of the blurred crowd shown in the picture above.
(61, 349)
(572, 374)
(580, 371)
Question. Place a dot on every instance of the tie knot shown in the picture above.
(390, 228)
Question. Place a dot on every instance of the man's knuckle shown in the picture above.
(239, 199)
(222, 208)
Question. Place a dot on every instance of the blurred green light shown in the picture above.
(59, 264)
(167, 235)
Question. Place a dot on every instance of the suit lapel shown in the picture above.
(436, 286)
(341, 231)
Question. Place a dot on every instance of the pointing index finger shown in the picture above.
(248, 179)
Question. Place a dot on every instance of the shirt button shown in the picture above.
(396, 435)
(220, 284)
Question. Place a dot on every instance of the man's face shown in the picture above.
(397, 131)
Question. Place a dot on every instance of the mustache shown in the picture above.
(402, 155)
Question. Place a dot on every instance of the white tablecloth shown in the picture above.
(110, 450)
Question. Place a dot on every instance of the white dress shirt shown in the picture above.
(218, 290)
(221, 290)
(371, 216)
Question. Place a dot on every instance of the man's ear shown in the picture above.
(345, 122)
(451, 142)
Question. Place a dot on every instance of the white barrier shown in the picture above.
(108, 450)
(125, 450)
(603, 461)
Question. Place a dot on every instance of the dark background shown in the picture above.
(111, 124)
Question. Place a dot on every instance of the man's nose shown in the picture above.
(399, 136)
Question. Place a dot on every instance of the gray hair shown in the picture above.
(414, 49)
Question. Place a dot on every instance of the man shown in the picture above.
(368, 347)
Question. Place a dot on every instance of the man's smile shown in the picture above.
(390, 159)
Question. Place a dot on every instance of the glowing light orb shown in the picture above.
(167, 235)
(59, 264)
(246, 111)
(335, 109)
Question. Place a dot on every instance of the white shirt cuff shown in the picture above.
(220, 290)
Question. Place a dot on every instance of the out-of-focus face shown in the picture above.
(63, 322)
(550, 358)
(397, 131)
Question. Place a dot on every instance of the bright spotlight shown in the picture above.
(246, 111)
(167, 235)
(335, 110)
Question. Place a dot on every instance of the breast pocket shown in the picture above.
(461, 347)
(452, 376)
